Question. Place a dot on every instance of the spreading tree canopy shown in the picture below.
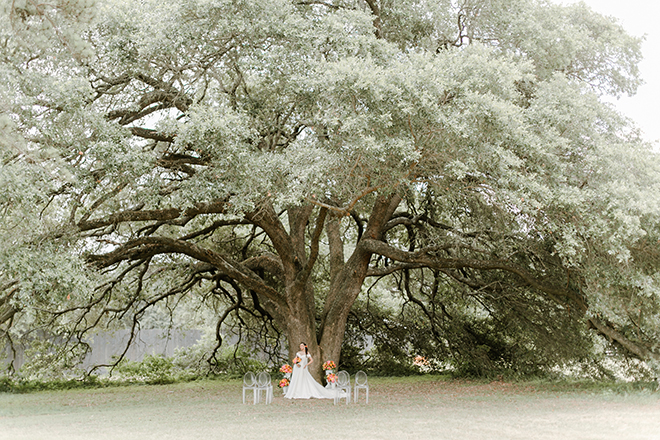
(274, 158)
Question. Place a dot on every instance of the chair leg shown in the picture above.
(356, 394)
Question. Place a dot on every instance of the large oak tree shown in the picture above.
(279, 154)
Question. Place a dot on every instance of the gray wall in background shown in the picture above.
(147, 342)
(106, 345)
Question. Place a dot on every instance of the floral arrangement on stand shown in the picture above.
(286, 370)
(331, 378)
(329, 367)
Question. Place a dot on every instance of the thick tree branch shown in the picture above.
(335, 245)
(6, 286)
(268, 262)
(408, 220)
(7, 313)
(267, 219)
(298, 221)
(387, 270)
(217, 207)
(424, 258)
(180, 162)
(614, 335)
(162, 97)
(215, 225)
(319, 2)
(148, 133)
(7, 310)
(346, 210)
(149, 246)
(348, 282)
(375, 11)
(314, 245)
(100, 201)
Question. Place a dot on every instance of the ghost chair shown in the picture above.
(361, 382)
(343, 387)
(250, 383)
(264, 384)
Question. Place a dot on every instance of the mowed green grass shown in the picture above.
(399, 408)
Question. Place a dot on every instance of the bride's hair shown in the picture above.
(306, 352)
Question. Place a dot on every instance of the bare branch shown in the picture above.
(150, 246)
(319, 2)
(217, 207)
(148, 133)
(387, 270)
(424, 258)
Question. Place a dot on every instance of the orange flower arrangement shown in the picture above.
(331, 378)
(296, 360)
(284, 383)
(286, 368)
(329, 365)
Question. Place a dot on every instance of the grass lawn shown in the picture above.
(399, 408)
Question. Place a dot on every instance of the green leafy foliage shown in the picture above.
(153, 369)
(186, 364)
(160, 153)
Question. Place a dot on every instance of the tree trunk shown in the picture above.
(347, 283)
(299, 315)
(300, 328)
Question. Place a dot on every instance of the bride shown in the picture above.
(303, 385)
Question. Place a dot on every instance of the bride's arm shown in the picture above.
(311, 359)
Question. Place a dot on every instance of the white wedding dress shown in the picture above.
(303, 385)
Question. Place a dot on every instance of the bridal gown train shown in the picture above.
(303, 385)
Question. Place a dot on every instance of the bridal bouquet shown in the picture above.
(331, 378)
(284, 383)
(329, 365)
(296, 360)
(286, 368)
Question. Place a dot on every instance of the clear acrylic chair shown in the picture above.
(264, 384)
(250, 383)
(361, 382)
(343, 387)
